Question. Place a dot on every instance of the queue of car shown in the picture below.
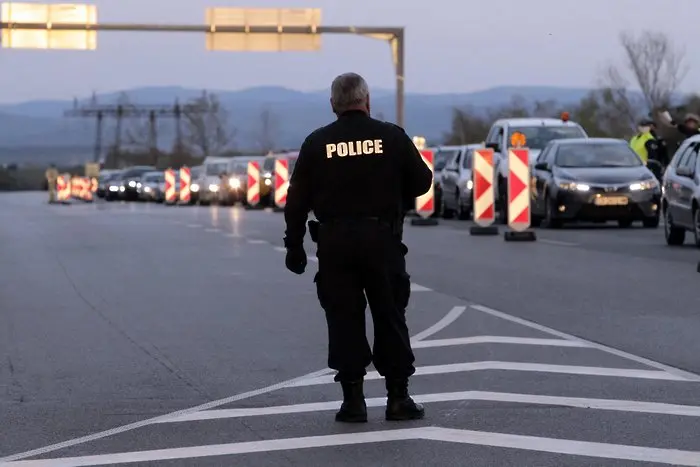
(219, 180)
(576, 178)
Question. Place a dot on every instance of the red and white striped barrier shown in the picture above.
(253, 187)
(519, 195)
(185, 183)
(170, 189)
(63, 188)
(484, 200)
(425, 204)
(281, 182)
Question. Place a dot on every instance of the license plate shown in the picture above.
(611, 201)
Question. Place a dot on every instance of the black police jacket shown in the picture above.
(355, 167)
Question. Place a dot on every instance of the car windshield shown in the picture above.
(443, 156)
(136, 172)
(537, 137)
(269, 164)
(596, 155)
(217, 168)
(467, 160)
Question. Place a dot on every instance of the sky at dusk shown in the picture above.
(452, 46)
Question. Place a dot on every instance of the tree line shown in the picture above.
(653, 64)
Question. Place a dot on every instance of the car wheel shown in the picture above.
(549, 221)
(463, 213)
(696, 224)
(675, 236)
(502, 201)
(624, 223)
(445, 213)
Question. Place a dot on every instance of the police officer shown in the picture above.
(356, 175)
(650, 148)
(51, 179)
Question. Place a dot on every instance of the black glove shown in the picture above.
(296, 260)
(313, 230)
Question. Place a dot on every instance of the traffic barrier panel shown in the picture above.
(425, 204)
(281, 182)
(253, 186)
(63, 188)
(170, 189)
(75, 187)
(86, 189)
(185, 183)
(94, 184)
(519, 196)
(483, 193)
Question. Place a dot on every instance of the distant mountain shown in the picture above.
(37, 130)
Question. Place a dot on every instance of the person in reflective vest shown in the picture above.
(649, 147)
(51, 179)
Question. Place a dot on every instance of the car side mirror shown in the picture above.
(542, 166)
(684, 172)
(495, 146)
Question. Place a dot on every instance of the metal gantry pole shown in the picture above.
(397, 41)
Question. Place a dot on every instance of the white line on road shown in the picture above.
(681, 374)
(614, 405)
(233, 235)
(449, 318)
(194, 226)
(281, 249)
(512, 366)
(419, 288)
(556, 242)
(212, 230)
(479, 438)
(256, 241)
(498, 340)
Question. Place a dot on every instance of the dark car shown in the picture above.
(131, 179)
(593, 179)
(681, 194)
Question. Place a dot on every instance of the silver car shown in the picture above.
(457, 183)
(149, 188)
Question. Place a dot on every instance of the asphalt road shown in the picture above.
(135, 334)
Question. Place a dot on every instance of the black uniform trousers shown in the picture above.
(358, 259)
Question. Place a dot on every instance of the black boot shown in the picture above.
(399, 404)
(354, 408)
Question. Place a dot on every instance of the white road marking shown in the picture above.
(620, 353)
(194, 226)
(556, 242)
(233, 235)
(512, 366)
(281, 249)
(572, 402)
(207, 406)
(256, 241)
(479, 438)
(449, 318)
(419, 288)
(212, 230)
(313, 259)
(497, 340)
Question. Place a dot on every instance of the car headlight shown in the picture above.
(132, 184)
(147, 189)
(267, 175)
(268, 182)
(194, 188)
(234, 183)
(470, 185)
(644, 185)
(113, 188)
(213, 187)
(574, 186)
(122, 188)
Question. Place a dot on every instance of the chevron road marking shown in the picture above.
(614, 405)
(497, 340)
(478, 438)
(511, 366)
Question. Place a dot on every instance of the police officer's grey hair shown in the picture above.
(348, 91)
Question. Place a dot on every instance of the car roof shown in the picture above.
(589, 141)
(534, 122)
(459, 147)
